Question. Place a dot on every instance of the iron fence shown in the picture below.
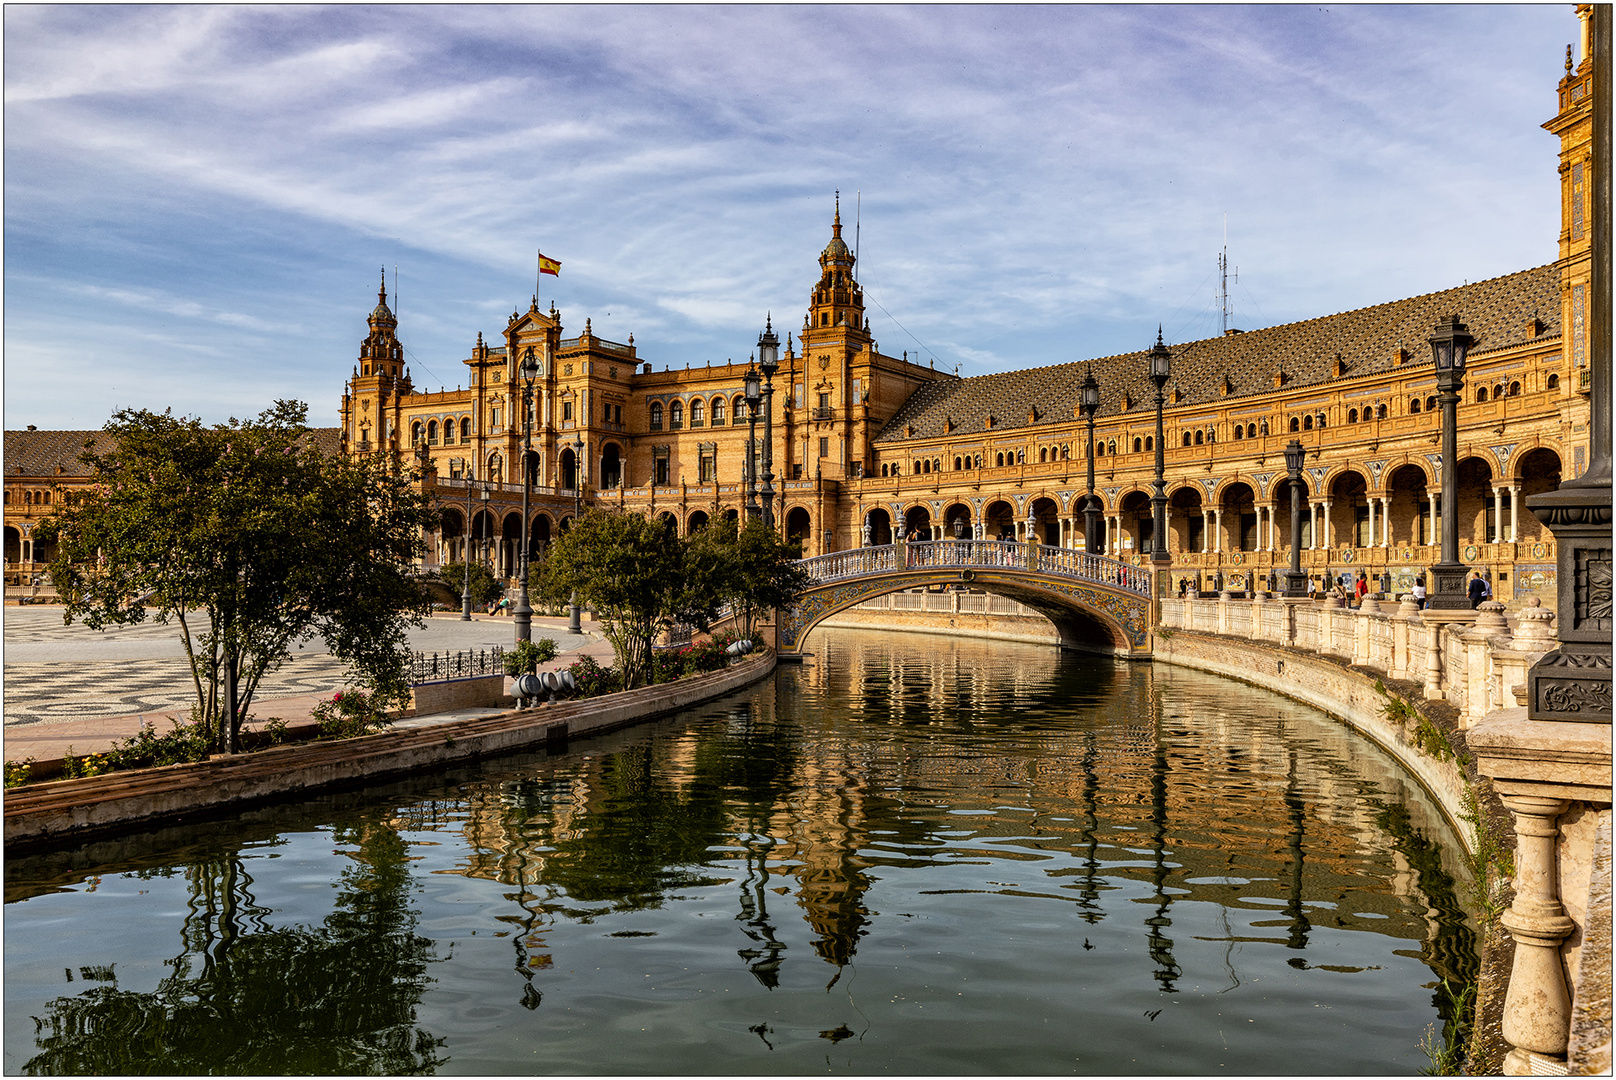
(435, 667)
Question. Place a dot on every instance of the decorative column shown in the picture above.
(1386, 521)
(1369, 541)
(1434, 529)
(1537, 1008)
(1328, 538)
(1514, 513)
(1217, 530)
(1498, 514)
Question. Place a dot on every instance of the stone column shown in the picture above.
(1327, 537)
(1537, 1008)
(1386, 521)
(1371, 538)
(1498, 515)
(1514, 513)
(1433, 534)
(1217, 537)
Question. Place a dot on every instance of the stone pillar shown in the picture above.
(1498, 515)
(1477, 642)
(1328, 538)
(1537, 1008)
(1514, 513)
(1371, 538)
(1407, 611)
(1386, 521)
(1433, 534)
(1432, 690)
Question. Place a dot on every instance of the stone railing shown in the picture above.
(976, 555)
(1553, 777)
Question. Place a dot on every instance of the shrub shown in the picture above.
(593, 680)
(528, 655)
(75, 767)
(18, 772)
(349, 714)
(185, 742)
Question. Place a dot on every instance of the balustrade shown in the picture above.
(977, 554)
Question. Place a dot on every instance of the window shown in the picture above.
(1553, 383)
(1043, 454)
(796, 471)
(432, 433)
(740, 409)
(1150, 442)
(1188, 439)
(1021, 457)
(1000, 461)
(1413, 405)
(493, 417)
(1352, 416)
(566, 411)
(824, 447)
(1430, 404)
(796, 394)
(718, 412)
(1263, 428)
(824, 401)
(1307, 423)
(925, 467)
(606, 414)
(1099, 448)
(1251, 431)
(676, 416)
(1112, 447)
(1211, 435)
(1239, 432)
(709, 467)
(958, 464)
(1296, 425)
(662, 471)
(1380, 412)
(415, 434)
(465, 429)
(1200, 437)
(1138, 445)
(1514, 389)
(618, 411)
(1481, 394)
(656, 416)
(698, 414)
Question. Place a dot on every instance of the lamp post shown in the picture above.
(465, 593)
(1295, 580)
(1161, 369)
(574, 616)
(1089, 404)
(1449, 345)
(754, 397)
(769, 362)
(523, 615)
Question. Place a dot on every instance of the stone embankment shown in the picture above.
(68, 811)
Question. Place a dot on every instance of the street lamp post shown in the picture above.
(1161, 369)
(574, 616)
(523, 615)
(1089, 404)
(465, 593)
(769, 362)
(754, 397)
(1295, 580)
(1450, 343)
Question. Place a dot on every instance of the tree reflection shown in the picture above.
(246, 997)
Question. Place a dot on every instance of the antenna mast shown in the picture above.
(1223, 279)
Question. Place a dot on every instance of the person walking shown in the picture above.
(1477, 589)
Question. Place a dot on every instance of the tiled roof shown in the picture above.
(1366, 341)
(39, 453)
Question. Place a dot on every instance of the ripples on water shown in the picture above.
(912, 855)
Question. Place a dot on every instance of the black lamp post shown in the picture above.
(1089, 404)
(523, 615)
(574, 615)
(754, 398)
(769, 362)
(1161, 369)
(1295, 580)
(1449, 345)
(465, 593)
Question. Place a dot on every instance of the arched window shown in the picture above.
(1296, 425)
(698, 414)
(1150, 443)
(1251, 431)
(1430, 403)
(432, 433)
(1554, 382)
(1514, 389)
(1099, 448)
(1138, 445)
(740, 409)
(718, 412)
(1307, 423)
(1200, 437)
(1481, 394)
(1413, 405)
(1043, 454)
(1189, 439)
(415, 433)
(676, 416)
(1352, 416)
(1380, 412)
(1239, 432)
(465, 429)
(44, 497)
(1000, 462)
(958, 465)
(656, 416)
(28, 498)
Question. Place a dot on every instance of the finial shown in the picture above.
(381, 294)
(479, 340)
(1159, 344)
(631, 339)
(588, 328)
(1568, 59)
(836, 226)
(768, 322)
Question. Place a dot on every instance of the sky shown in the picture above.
(200, 201)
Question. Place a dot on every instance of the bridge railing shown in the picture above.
(977, 555)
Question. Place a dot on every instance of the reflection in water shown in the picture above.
(997, 858)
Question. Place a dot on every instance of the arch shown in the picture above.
(676, 416)
(494, 472)
(1099, 448)
(510, 544)
(540, 533)
(999, 460)
(568, 463)
(1481, 394)
(1238, 505)
(1138, 445)
(1043, 455)
(1239, 431)
(1189, 439)
(1515, 389)
(917, 523)
(611, 466)
(957, 514)
(698, 413)
(1413, 405)
(1352, 415)
(1045, 521)
(13, 546)
(719, 419)
(799, 526)
(1348, 494)
(669, 522)
(1187, 522)
(880, 526)
(738, 408)
(1475, 501)
(1380, 412)
(1430, 403)
(1553, 383)
(999, 521)
(416, 432)
(696, 522)
(958, 463)
(656, 416)
(1407, 507)
(451, 532)
(432, 433)
(1296, 424)
(1536, 471)
(465, 429)
(1137, 525)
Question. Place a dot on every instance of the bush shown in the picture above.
(185, 742)
(17, 772)
(348, 715)
(484, 586)
(593, 680)
(528, 655)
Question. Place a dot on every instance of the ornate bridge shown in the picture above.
(1096, 604)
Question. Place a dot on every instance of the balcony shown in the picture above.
(823, 414)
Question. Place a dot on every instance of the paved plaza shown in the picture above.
(66, 683)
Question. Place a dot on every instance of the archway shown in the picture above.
(1186, 520)
(957, 522)
(568, 462)
(1475, 506)
(482, 539)
(1348, 510)
(698, 520)
(1537, 471)
(1138, 527)
(13, 546)
(669, 522)
(611, 466)
(510, 546)
(1408, 508)
(999, 521)
(451, 534)
(917, 524)
(880, 526)
(534, 460)
(798, 526)
(1045, 522)
(539, 536)
(1238, 511)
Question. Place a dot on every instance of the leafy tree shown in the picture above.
(751, 568)
(631, 571)
(484, 586)
(249, 525)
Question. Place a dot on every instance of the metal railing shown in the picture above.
(435, 667)
(977, 555)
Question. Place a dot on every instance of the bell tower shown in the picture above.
(1575, 128)
(370, 413)
(836, 311)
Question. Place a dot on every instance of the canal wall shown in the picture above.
(66, 812)
(951, 612)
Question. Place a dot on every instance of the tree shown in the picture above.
(631, 571)
(751, 569)
(250, 525)
(484, 586)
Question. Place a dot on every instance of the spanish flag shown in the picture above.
(549, 266)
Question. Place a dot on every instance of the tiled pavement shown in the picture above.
(68, 686)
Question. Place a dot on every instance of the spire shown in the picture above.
(836, 226)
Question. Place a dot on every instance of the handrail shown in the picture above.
(976, 555)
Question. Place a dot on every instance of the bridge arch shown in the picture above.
(1096, 604)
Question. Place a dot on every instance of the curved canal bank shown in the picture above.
(55, 813)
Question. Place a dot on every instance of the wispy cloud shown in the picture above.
(1038, 183)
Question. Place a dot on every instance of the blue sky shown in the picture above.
(199, 200)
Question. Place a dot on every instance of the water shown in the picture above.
(914, 855)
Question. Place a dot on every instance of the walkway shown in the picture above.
(68, 686)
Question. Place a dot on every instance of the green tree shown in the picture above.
(484, 586)
(751, 568)
(249, 525)
(631, 571)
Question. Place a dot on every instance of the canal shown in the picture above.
(911, 855)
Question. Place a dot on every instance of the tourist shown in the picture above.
(1362, 588)
(1478, 589)
(1313, 587)
(1418, 592)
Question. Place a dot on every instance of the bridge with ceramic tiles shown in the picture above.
(1097, 604)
